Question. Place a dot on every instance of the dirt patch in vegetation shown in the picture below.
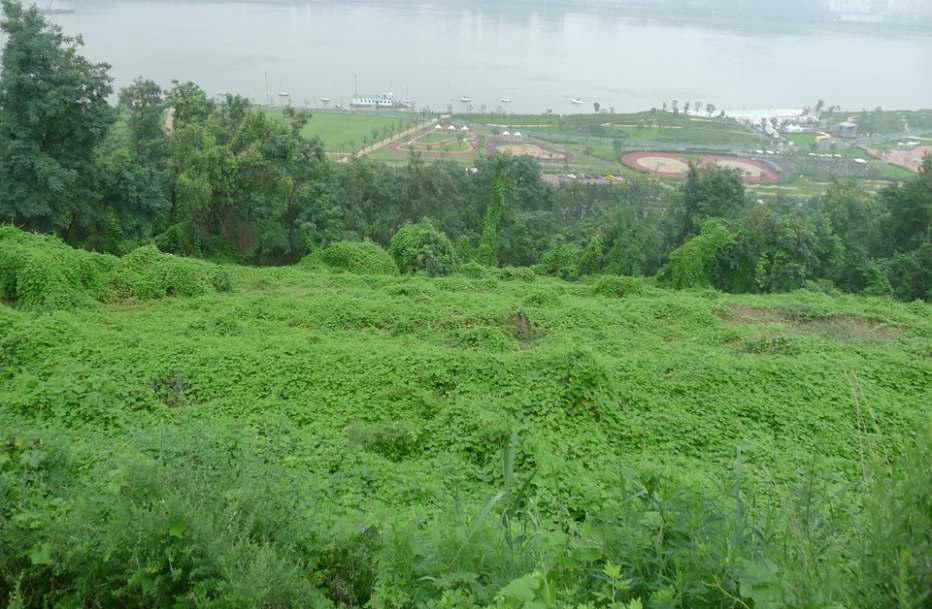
(807, 321)
(523, 329)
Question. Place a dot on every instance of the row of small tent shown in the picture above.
(464, 128)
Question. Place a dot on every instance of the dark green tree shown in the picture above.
(421, 248)
(590, 262)
(144, 106)
(190, 103)
(710, 192)
(488, 246)
(53, 116)
(909, 205)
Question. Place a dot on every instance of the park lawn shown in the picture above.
(891, 171)
(656, 127)
(511, 120)
(718, 135)
(802, 139)
(340, 131)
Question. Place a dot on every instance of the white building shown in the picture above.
(373, 101)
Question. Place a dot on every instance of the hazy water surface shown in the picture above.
(540, 54)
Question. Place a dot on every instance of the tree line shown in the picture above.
(225, 180)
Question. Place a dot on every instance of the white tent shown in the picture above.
(517, 134)
(464, 128)
(437, 127)
(506, 134)
(451, 128)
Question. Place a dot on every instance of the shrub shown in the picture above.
(42, 273)
(421, 248)
(473, 270)
(910, 274)
(360, 257)
(484, 338)
(692, 264)
(561, 261)
(613, 286)
(146, 273)
(160, 523)
(517, 273)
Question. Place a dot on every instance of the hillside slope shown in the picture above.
(368, 403)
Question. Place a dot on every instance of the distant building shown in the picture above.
(373, 101)
(845, 129)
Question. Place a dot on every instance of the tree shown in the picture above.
(618, 144)
(204, 172)
(693, 263)
(686, 108)
(488, 246)
(596, 106)
(190, 103)
(590, 262)
(664, 106)
(856, 218)
(776, 252)
(130, 202)
(561, 261)
(676, 107)
(710, 109)
(54, 116)
(909, 224)
(910, 274)
(421, 248)
(144, 106)
(710, 192)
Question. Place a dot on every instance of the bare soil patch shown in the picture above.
(670, 165)
(908, 159)
(523, 329)
(535, 151)
(842, 327)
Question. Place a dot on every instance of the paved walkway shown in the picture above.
(387, 141)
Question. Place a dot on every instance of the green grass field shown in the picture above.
(288, 437)
(802, 140)
(643, 126)
(341, 131)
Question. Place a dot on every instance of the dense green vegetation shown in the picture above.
(307, 438)
(235, 373)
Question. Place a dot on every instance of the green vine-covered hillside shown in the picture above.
(310, 438)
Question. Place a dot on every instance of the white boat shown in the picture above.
(407, 103)
(578, 101)
(326, 100)
(505, 100)
(284, 94)
(465, 99)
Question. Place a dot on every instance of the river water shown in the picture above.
(541, 54)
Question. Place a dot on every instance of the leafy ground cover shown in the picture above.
(493, 438)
